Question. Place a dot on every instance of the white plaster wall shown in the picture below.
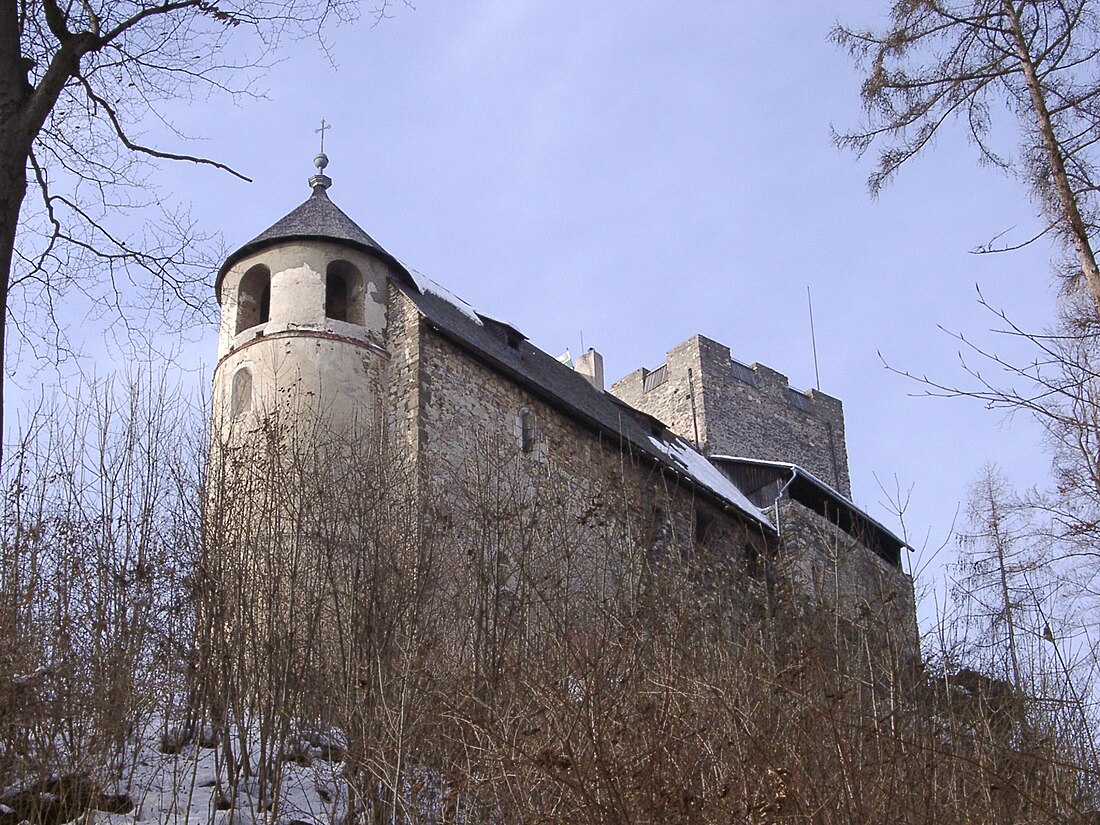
(298, 292)
(311, 375)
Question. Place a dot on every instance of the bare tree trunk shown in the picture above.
(13, 188)
(23, 110)
(1073, 222)
(13, 175)
(999, 541)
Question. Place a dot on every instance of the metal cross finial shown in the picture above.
(321, 181)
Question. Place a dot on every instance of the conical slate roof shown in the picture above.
(316, 219)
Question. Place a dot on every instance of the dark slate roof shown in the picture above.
(807, 489)
(567, 390)
(505, 349)
(318, 219)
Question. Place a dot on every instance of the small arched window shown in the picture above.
(336, 297)
(528, 431)
(344, 293)
(241, 393)
(754, 562)
(254, 298)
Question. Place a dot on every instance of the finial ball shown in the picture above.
(321, 161)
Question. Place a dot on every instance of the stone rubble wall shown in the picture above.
(826, 569)
(750, 412)
(576, 506)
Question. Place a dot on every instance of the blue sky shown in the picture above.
(639, 172)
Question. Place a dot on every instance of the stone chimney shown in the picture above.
(590, 365)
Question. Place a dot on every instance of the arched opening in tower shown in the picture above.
(336, 297)
(344, 293)
(254, 298)
(241, 394)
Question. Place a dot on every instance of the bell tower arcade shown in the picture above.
(302, 332)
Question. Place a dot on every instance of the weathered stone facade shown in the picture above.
(733, 409)
(827, 567)
(729, 408)
(513, 462)
(506, 472)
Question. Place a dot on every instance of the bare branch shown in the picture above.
(145, 150)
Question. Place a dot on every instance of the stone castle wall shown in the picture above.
(401, 397)
(564, 503)
(574, 508)
(825, 567)
(729, 408)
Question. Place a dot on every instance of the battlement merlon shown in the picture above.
(730, 408)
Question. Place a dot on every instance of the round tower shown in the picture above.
(295, 478)
(303, 318)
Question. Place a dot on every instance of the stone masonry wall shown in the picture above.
(825, 568)
(729, 408)
(575, 507)
(401, 393)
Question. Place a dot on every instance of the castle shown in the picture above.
(702, 456)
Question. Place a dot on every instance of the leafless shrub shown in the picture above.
(478, 643)
(98, 537)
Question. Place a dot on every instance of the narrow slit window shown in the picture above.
(754, 563)
(254, 298)
(241, 393)
(528, 432)
(703, 522)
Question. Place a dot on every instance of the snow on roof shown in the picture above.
(319, 217)
(828, 489)
(571, 392)
(427, 285)
(703, 472)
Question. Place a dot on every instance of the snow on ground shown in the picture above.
(179, 788)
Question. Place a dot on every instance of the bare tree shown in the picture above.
(78, 81)
(515, 652)
(995, 588)
(100, 534)
(975, 61)
(944, 60)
